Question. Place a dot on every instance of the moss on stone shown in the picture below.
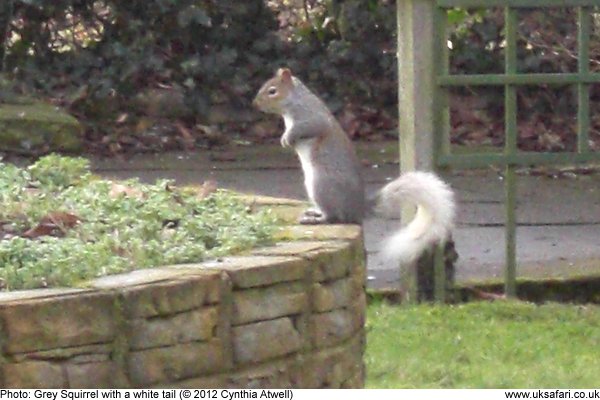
(29, 128)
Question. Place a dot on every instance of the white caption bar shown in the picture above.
(235, 394)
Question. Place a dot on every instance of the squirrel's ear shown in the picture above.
(285, 74)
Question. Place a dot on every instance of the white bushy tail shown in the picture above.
(434, 218)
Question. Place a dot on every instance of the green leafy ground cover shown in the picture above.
(503, 344)
(61, 225)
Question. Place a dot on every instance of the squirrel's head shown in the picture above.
(272, 95)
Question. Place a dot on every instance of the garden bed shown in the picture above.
(60, 225)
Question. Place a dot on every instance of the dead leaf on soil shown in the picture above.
(207, 188)
(480, 294)
(122, 118)
(120, 190)
(53, 224)
(188, 139)
(551, 141)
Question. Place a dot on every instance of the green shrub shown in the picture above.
(97, 54)
(100, 58)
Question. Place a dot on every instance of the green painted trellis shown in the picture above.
(423, 101)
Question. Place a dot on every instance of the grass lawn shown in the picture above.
(501, 344)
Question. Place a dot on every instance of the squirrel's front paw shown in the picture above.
(285, 141)
(312, 217)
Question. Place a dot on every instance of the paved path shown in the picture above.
(559, 219)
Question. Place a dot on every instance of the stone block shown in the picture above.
(324, 232)
(332, 259)
(334, 367)
(89, 353)
(135, 278)
(174, 363)
(289, 215)
(204, 382)
(358, 308)
(66, 321)
(260, 341)
(90, 358)
(330, 328)
(357, 381)
(259, 200)
(20, 296)
(359, 278)
(171, 297)
(253, 271)
(290, 249)
(272, 375)
(335, 294)
(191, 326)
(333, 262)
(95, 375)
(358, 268)
(33, 375)
(269, 302)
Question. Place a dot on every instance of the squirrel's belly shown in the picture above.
(304, 151)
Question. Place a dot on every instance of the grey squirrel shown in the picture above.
(333, 179)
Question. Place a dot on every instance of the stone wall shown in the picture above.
(291, 315)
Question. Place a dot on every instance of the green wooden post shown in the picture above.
(439, 276)
(510, 148)
(416, 88)
(441, 132)
(416, 80)
(583, 89)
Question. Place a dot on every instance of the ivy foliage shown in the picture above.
(95, 56)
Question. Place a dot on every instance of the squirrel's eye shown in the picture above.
(272, 91)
